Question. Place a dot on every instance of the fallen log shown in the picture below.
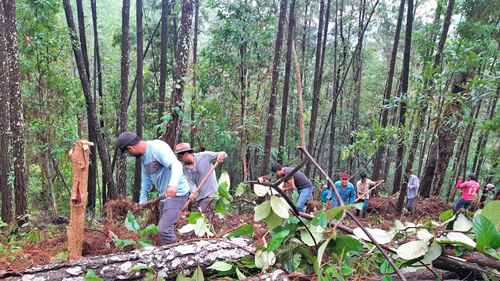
(167, 261)
(277, 275)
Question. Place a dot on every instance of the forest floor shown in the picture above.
(46, 244)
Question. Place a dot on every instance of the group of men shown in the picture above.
(176, 176)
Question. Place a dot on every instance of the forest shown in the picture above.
(249, 140)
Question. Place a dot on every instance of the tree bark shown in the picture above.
(243, 112)
(286, 83)
(139, 118)
(166, 7)
(167, 261)
(274, 84)
(194, 97)
(5, 186)
(16, 110)
(121, 175)
(405, 71)
(377, 163)
(181, 57)
(89, 100)
(335, 89)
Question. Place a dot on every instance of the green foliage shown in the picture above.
(486, 234)
(91, 276)
(244, 230)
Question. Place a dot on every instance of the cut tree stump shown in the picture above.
(79, 156)
(167, 261)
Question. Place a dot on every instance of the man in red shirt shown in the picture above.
(469, 190)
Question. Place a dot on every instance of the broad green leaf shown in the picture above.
(131, 222)
(181, 277)
(320, 219)
(262, 211)
(272, 221)
(446, 215)
(457, 238)
(225, 179)
(220, 205)
(201, 228)
(223, 191)
(346, 270)
(240, 189)
(143, 243)
(221, 266)
(151, 229)
(193, 217)
(122, 243)
(280, 207)
(277, 239)
(424, 234)
(322, 248)
(462, 224)
(493, 253)
(261, 190)
(386, 268)
(344, 244)
(485, 232)
(433, 253)
(412, 250)
(381, 236)
(387, 278)
(244, 230)
(240, 275)
(491, 211)
(317, 232)
(335, 213)
(186, 228)
(92, 276)
(198, 275)
(264, 259)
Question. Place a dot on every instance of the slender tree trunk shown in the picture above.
(166, 7)
(377, 164)
(16, 110)
(336, 74)
(101, 142)
(427, 179)
(304, 40)
(139, 118)
(195, 59)
(5, 186)
(286, 84)
(274, 84)
(181, 56)
(97, 81)
(91, 181)
(483, 137)
(243, 112)
(405, 71)
(121, 175)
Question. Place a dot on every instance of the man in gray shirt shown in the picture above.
(412, 192)
(196, 167)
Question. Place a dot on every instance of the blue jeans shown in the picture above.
(364, 210)
(461, 204)
(410, 203)
(304, 195)
(170, 209)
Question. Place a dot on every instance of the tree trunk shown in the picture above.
(5, 186)
(91, 128)
(316, 80)
(243, 112)
(405, 71)
(274, 84)
(181, 57)
(139, 118)
(89, 100)
(98, 87)
(195, 60)
(286, 83)
(377, 164)
(16, 110)
(335, 89)
(165, 13)
(121, 175)
(169, 260)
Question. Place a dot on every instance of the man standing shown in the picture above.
(412, 192)
(469, 190)
(299, 181)
(160, 168)
(363, 187)
(346, 191)
(196, 168)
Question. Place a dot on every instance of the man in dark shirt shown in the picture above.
(299, 181)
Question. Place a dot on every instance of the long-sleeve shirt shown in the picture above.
(196, 172)
(161, 168)
(347, 193)
(469, 189)
(364, 187)
(413, 185)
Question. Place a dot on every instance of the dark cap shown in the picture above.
(127, 139)
(276, 167)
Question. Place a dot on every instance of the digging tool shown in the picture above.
(202, 182)
(369, 190)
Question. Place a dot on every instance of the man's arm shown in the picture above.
(290, 184)
(146, 184)
(352, 196)
(167, 158)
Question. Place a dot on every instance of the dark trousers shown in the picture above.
(206, 207)
(170, 209)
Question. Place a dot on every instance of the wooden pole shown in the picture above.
(79, 156)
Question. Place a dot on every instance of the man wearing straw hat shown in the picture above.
(198, 170)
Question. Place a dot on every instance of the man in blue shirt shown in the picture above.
(160, 168)
(346, 191)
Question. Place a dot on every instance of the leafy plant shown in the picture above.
(132, 224)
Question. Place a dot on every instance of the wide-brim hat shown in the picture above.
(183, 147)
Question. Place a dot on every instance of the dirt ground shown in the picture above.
(98, 239)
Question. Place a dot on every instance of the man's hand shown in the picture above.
(171, 191)
(193, 196)
(262, 179)
(221, 156)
